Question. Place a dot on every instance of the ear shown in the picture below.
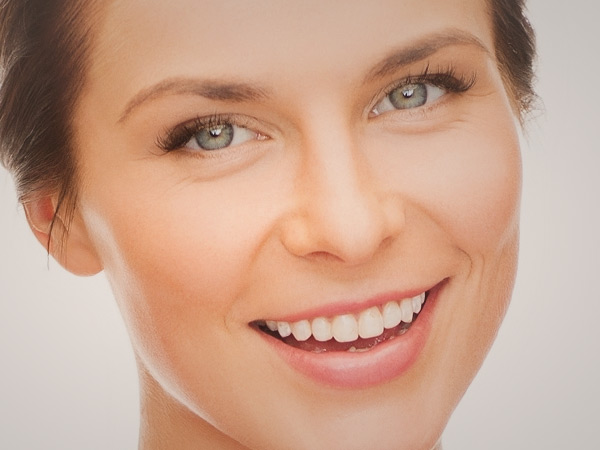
(68, 243)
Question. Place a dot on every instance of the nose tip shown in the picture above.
(349, 228)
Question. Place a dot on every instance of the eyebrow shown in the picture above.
(210, 89)
(238, 92)
(422, 49)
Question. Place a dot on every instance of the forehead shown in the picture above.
(140, 42)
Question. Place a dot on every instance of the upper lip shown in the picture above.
(352, 306)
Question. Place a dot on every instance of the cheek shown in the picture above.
(466, 179)
(179, 252)
(480, 195)
(495, 188)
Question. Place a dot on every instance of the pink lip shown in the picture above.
(383, 363)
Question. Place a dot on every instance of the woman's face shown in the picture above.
(307, 165)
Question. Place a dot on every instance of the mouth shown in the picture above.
(356, 332)
(357, 345)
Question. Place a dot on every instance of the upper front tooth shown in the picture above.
(370, 323)
(284, 329)
(345, 328)
(407, 310)
(321, 329)
(392, 315)
(301, 330)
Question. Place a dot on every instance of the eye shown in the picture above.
(206, 134)
(219, 136)
(408, 96)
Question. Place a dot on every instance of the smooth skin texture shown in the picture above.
(321, 201)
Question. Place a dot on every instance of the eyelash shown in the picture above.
(444, 78)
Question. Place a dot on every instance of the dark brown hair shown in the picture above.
(43, 45)
(514, 42)
(43, 50)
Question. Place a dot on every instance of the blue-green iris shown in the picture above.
(409, 96)
(215, 137)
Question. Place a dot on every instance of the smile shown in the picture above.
(356, 346)
(351, 332)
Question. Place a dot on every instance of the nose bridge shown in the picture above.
(341, 210)
(337, 178)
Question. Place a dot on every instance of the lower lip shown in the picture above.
(383, 363)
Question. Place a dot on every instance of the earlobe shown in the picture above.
(67, 241)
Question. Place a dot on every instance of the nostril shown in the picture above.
(323, 256)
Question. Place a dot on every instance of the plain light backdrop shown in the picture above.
(67, 374)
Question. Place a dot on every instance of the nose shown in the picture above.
(341, 209)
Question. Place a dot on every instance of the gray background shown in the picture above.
(67, 376)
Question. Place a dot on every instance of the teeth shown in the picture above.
(392, 315)
(301, 330)
(416, 304)
(284, 329)
(353, 349)
(321, 329)
(407, 310)
(370, 323)
(347, 328)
